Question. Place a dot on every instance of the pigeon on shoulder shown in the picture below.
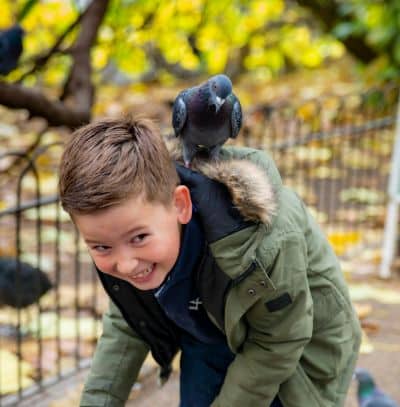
(368, 394)
(205, 116)
(10, 48)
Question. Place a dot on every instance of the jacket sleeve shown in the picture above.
(278, 320)
(117, 360)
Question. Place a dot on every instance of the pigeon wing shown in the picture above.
(236, 117)
(179, 113)
(381, 400)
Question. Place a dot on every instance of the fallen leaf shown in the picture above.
(363, 310)
(359, 292)
(370, 327)
(366, 345)
(10, 366)
(50, 325)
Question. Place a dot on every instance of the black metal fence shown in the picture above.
(54, 337)
(335, 151)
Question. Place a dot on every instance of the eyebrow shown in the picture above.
(129, 232)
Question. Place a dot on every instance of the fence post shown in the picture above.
(392, 212)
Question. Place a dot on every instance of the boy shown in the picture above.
(252, 294)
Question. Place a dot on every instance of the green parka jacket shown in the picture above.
(288, 315)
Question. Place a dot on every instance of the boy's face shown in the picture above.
(137, 241)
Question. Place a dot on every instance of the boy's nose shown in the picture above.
(127, 265)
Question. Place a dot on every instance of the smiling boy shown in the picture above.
(136, 241)
(250, 291)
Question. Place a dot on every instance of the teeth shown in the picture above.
(143, 273)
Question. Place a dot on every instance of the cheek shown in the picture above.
(172, 251)
(103, 264)
(167, 248)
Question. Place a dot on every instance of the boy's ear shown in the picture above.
(183, 204)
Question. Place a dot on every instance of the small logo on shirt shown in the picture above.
(194, 304)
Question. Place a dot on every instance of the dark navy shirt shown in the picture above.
(178, 295)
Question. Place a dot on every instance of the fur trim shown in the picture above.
(251, 190)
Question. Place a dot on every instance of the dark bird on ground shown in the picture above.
(205, 116)
(10, 48)
(20, 291)
(369, 395)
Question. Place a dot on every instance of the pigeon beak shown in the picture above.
(218, 103)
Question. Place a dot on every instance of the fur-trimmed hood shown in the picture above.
(253, 192)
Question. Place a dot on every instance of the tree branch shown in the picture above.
(16, 96)
(74, 107)
(78, 87)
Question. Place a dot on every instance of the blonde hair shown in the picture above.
(110, 160)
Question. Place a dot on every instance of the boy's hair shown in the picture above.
(110, 160)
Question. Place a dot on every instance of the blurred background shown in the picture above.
(319, 86)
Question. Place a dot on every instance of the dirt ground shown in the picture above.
(380, 355)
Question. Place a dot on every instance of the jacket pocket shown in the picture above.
(326, 355)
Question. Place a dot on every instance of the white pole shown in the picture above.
(392, 212)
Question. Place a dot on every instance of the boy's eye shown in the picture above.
(100, 248)
(139, 238)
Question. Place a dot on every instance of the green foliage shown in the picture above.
(379, 23)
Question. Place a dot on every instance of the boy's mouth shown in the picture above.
(144, 273)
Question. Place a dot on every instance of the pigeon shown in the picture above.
(205, 116)
(10, 48)
(368, 394)
(25, 289)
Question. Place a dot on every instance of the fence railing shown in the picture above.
(54, 337)
(334, 151)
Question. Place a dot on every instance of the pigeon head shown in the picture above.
(220, 87)
(366, 384)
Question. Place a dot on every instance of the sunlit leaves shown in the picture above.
(267, 10)
(362, 195)
(50, 325)
(304, 49)
(343, 240)
(261, 57)
(199, 35)
(6, 15)
(10, 367)
(209, 34)
(365, 291)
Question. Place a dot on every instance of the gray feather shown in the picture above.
(236, 118)
(179, 113)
